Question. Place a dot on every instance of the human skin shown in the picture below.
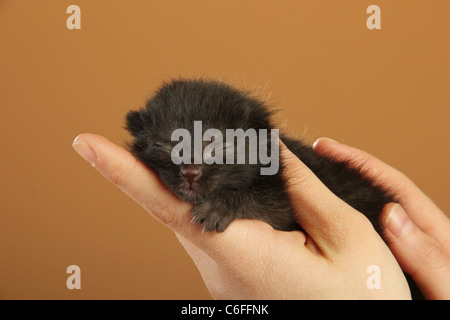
(251, 260)
(417, 231)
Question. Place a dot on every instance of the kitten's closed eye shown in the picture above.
(161, 146)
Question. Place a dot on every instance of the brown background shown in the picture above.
(385, 91)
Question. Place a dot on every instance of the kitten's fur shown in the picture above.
(225, 192)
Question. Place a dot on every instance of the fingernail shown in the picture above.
(398, 221)
(322, 139)
(84, 150)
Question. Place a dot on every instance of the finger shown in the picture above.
(370, 165)
(134, 178)
(143, 185)
(425, 214)
(419, 255)
(328, 220)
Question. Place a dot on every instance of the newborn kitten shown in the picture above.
(224, 192)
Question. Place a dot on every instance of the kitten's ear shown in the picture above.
(135, 122)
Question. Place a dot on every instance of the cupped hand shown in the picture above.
(340, 256)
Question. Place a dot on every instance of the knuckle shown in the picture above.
(162, 213)
(177, 218)
(115, 179)
(433, 254)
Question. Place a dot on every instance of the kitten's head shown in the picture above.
(176, 105)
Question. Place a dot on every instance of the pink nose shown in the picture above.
(190, 172)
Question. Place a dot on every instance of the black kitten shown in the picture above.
(224, 192)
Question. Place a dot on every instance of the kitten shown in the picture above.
(224, 192)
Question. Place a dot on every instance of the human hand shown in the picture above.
(416, 230)
(251, 260)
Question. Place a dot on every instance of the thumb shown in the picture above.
(425, 259)
(327, 219)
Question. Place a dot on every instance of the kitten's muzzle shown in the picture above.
(190, 172)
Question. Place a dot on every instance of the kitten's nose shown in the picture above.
(190, 172)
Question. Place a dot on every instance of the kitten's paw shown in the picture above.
(212, 218)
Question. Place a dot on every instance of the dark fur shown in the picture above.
(227, 192)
